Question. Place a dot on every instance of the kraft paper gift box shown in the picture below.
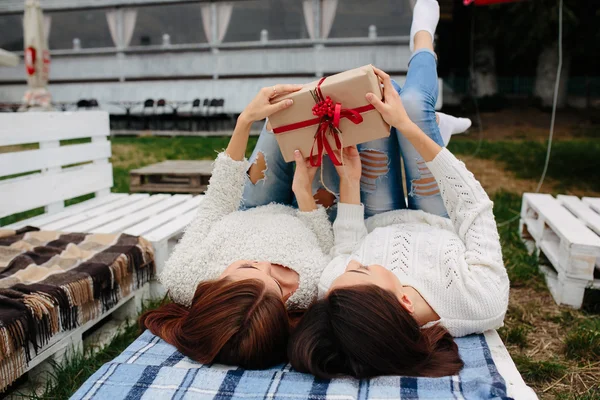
(348, 89)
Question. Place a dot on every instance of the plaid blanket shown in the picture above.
(152, 369)
(54, 281)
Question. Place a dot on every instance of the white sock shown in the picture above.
(426, 15)
(450, 125)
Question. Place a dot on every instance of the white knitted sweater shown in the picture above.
(455, 264)
(220, 235)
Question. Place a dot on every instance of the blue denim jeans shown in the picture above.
(381, 183)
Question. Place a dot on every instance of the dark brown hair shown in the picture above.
(364, 331)
(229, 322)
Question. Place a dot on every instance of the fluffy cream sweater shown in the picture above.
(455, 264)
(221, 234)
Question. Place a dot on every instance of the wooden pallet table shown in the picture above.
(565, 233)
(172, 177)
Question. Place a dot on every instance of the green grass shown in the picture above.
(539, 371)
(516, 335)
(583, 341)
(522, 267)
(574, 162)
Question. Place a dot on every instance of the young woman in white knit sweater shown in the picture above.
(235, 274)
(404, 282)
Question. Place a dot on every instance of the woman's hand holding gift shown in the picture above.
(259, 108)
(394, 113)
(390, 108)
(350, 173)
(262, 106)
(302, 183)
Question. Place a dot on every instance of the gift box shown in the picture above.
(330, 114)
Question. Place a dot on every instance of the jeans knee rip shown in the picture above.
(375, 165)
(258, 170)
(425, 185)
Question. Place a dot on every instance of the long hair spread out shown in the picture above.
(229, 322)
(363, 331)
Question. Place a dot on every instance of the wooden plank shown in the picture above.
(593, 202)
(582, 211)
(562, 222)
(158, 220)
(39, 190)
(171, 228)
(103, 219)
(76, 208)
(35, 127)
(92, 213)
(177, 167)
(564, 290)
(168, 188)
(122, 223)
(35, 160)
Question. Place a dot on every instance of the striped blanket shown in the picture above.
(54, 281)
(152, 369)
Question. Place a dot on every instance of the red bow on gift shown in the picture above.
(328, 118)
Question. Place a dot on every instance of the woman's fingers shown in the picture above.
(380, 73)
(374, 100)
(351, 151)
(282, 105)
(385, 78)
(300, 162)
(282, 89)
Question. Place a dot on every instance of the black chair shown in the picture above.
(160, 112)
(212, 117)
(221, 106)
(195, 114)
(93, 103)
(196, 104)
(226, 120)
(83, 104)
(148, 113)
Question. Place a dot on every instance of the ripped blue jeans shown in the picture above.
(381, 183)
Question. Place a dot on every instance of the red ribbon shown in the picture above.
(328, 118)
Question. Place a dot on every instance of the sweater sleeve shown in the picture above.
(348, 232)
(349, 229)
(223, 196)
(318, 222)
(470, 210)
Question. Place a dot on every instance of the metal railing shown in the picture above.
(271, 44)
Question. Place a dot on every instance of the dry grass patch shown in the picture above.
(495, 178)
(537, 333)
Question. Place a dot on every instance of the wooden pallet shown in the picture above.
(57, 171)
(565, 233)
(172, 177)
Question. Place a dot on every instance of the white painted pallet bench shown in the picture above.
(567, 231)
(159, 218)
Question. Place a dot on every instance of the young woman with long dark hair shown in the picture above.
(404, 282)
(237, 272)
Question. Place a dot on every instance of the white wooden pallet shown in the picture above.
(566, 230)
(50, 179)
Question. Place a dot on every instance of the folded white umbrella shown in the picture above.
(8, 59)
(37, 57)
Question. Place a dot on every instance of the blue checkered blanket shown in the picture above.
(152, 369)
